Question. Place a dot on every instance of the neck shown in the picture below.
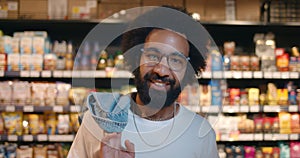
(151, 113)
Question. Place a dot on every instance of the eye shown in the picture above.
(175, 59)
(151, 56)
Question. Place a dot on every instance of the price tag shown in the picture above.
(293, 108)
(214, 109)
(42, 138)
(294, 136)
(228, 74)
(12, 137)
(244, 108)
(46, 74)
(276, 75)
(230, 109)
(76, 74)
(217, 74)
(1, 73)
(100, 74)
(87, 74)
(28, 108)
(61, 138)
(268, 136)
(257, 74)
(268, 74)
(34, 74)
(24, 73)
(237, 74)
(67, 74)
(225, 137)
(75, 108)
(10, 108)
(281, 136)
(294, 75)
(58, 109)
(58, 74)
(254, 108)
(28, 138)
(247, 74)
(246, 137)
(205, 109)
(285, 75)
(206, 75)
(272, 108)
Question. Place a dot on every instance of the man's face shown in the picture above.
(162, 68)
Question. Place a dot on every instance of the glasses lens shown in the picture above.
(176, 61)
(151, 57)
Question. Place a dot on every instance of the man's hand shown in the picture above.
(111, 147)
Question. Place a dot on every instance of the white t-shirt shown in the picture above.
(187, 135)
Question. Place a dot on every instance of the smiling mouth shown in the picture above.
(159, 83)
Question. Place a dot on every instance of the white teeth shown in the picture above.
(159, 84)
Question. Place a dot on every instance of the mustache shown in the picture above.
(155, 76)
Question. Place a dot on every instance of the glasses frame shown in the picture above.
(167, 56)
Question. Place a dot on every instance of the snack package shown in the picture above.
(1, 125)
(258, 122)
(40, 151)
(50, 94)
(52, 151)
(253, 96)
(239, 151)
(267, 124)
(25, 123)
(254, 63)
(285, 122)
(284, 149)
(37, 62)
(272, 94)
(25, 62)
(245, 63)
(51, 123)
(235, 63)
(63, 94)
(21, 93)
(50, 61)
(295, 149)
(74, 123)
(13, 122)
(78, 95)
(63, 149)
(5, 93)
(26, 45)
(295, 123)
(267, 151)
(24, 152)
(63, 124)
(249, 151)
(15, 45)
(13, 62)
(11, 150)
(276, 152)
(275, 126)
(205, 95)
(38, 93)
(282, 96)
(36, 124)
(234, 96)
(38, 44)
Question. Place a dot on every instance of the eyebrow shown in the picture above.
(158, 51)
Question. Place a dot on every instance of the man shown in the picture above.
(163, 61)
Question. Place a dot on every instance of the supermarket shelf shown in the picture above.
(127, 74)
(248, 75)
(259, 137)
(31, 108)
(38, 138)
(65, 74)
(244, 109)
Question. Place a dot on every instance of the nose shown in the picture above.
(162, 68)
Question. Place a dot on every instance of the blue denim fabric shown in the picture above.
(109, 110)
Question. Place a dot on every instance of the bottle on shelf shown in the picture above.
(102, 61)
(69, 56)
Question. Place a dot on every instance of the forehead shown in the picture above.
(167, 41)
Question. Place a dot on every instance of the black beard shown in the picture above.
(157, 97)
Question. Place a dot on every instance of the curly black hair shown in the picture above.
(175, 19)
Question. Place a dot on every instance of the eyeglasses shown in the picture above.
(176, 61)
